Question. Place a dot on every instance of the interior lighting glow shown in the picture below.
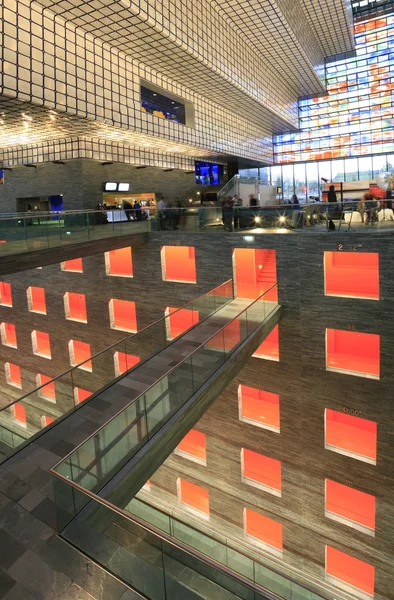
(119, 263)
(74, 266)
(352, 274)
(263, 530)
(8, 335)
(47, 390)
(178, 264)
(269, 349)
(353, 353)
(261, 471)
(5, 294)
(122, 315)
(80, 353)
(350, 507)
(13, 375)
(193, 497)
(41, 343)
(259, 408)
(194, 447)
(75, 307)
(36, 300)
(352, 574)
(351, 435)
(124, 362)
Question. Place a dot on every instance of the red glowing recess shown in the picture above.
(13, 374)
(352, 274)
(261, 469)
(228, 337)
(122, 315)
(124, 362)
(41, 343)
(45, 420)
(350, 504)
(269, 349)
(263, 529)
(259, 407)
(8, 335)
(73, 266)
(351, 435)
(5, 294)
(20, 414)
(193, 496)
(48, 390)
(353, 353)
(36, 300)
(348, 569)
(179, 320)
(254, 273)
(194, 444)
(178, 264)
(80, 394)
(119, 262)
(75, 307)
(80, 353)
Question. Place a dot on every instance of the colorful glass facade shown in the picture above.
(356, 116)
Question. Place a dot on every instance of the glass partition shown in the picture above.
(24, 418)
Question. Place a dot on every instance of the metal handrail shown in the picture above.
(117, 344)
(162, 377)
(172, 542)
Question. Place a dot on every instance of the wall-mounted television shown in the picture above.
(111, 186)
(208, 173)
(123, 187)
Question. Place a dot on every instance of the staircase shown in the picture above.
(266, 269)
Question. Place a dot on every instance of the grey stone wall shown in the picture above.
(81, 182)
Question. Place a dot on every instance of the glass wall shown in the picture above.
(356, 116)
(305, 179)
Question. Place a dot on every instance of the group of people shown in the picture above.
(169, 213)
(133, 211)
(368, 208)
(230, 210)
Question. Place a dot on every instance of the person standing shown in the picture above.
(253, 202)
(161, 206)
(331, 195)
(237, 205)
(137, 210)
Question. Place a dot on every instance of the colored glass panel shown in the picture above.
(119, 262)
(178, 264)
(36, 300)
(351, 435)
(259, 407)
(269, 349)
(352, 274)
(350, 504)
(5, 294)
(263, 529)
(122, 315)
(353, 352)
(350, 570)
(193, 496)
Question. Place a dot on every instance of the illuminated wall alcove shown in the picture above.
(259, 407)
(353, 353)
(179, 320)
(193, 447)
(352, 274)
(269, 349)
(351, 574)
(254, 272)
(350, 435)
(350, 506)
(178, 264)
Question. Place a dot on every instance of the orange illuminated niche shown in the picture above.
(259, 408)
(75, 307)
(8, 335)
(80, 353)
(261, 471)
(263, 530)
(47, 387)
(350, 573)
(254, 273)
(178, 263)
(193, 497)
(124, 362)
(122, 315)
(269, 349)
(80, 395)
(5, 294)
(73, 266)
(36, 300)
(351, 436)
(194, 447)
(352, 274)
(20, 414)
(350, 507)
(41, 343)
(119, 262)
(353, 353)
(45, 421)
(13, 374)
(179, 320)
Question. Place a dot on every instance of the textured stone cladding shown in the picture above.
(81, 182)
(306, 389)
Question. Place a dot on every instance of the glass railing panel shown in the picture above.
(38, 230)
(207, 359)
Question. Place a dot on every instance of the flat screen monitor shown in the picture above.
(111, 186)
(123, 187)
(208, 173)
